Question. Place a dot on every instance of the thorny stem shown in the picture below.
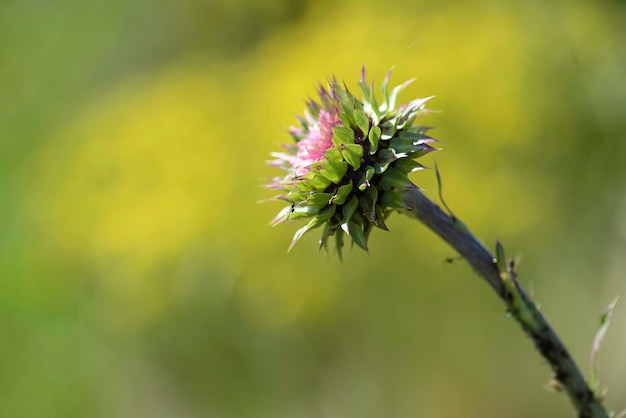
(518, 303)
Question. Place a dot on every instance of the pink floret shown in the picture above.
(318, 140)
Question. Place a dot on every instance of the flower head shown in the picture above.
(350, 161)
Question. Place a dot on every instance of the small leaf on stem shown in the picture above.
(594, 365)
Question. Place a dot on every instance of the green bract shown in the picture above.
(350, 161)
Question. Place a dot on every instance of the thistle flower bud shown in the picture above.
(350, 161)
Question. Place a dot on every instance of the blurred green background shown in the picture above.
(139, 276)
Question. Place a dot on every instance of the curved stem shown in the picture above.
(501, 277)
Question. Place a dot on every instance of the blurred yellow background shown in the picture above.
(138, 273)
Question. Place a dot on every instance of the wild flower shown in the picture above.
(350, 160)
